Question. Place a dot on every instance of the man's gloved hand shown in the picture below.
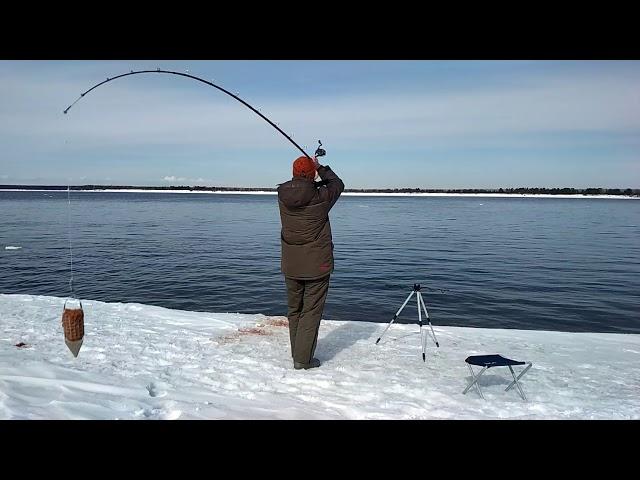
(320, 182)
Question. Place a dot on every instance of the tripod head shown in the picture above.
(417, 287)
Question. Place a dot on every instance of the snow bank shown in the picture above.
(146, 362)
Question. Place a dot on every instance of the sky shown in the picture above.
(384, 124)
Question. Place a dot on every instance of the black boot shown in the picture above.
(314, 363)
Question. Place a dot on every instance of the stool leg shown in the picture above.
(517, 384)
(519, 377)
(475, 381)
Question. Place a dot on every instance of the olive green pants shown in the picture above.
(305, 305)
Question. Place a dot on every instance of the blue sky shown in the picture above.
(428, 124)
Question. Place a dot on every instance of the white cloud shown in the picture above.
(173, 178)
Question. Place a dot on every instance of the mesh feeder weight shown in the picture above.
(73, 326)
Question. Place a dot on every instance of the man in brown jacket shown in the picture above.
(307, 252)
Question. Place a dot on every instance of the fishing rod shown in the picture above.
(319, 151)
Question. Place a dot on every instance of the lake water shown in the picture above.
(528, 263)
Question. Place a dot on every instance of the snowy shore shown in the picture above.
(147, 362)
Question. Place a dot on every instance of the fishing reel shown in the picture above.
(320, 152)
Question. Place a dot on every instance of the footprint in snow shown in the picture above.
(154, 392)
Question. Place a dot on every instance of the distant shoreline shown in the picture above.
(346, 193)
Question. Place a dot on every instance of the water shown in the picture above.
(528, 263)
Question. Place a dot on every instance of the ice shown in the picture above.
(147, 362)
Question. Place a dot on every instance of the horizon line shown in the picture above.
(353, 189)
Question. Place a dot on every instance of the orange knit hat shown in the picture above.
(304, 167)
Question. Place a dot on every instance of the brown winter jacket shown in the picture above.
(307, 247)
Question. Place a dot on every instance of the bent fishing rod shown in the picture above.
(319, 151)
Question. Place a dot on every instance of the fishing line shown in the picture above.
(70, 246)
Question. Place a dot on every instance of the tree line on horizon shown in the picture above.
(516, 191)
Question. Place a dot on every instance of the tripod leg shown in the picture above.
(429, 320)
(422, 339)
(396, 315)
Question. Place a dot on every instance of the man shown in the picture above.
(307, 252)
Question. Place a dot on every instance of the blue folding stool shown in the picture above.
(489, 361)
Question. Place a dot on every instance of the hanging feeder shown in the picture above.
(72, 318)
(73, 326)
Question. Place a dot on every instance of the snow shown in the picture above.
(147, 362)
(354, 194)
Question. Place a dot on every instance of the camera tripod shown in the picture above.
(420, 301)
